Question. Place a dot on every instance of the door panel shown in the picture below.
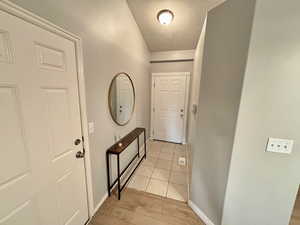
(5, 47)
(169, 105)
(68, 202)
(12, 128)
(41, 180)
(58, 123)
(50, 58)
(25, 212)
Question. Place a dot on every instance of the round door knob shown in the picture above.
(77, 142)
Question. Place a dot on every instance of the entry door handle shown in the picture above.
(80, 154)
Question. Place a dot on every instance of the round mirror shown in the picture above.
(121, 98)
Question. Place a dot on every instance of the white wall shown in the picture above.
(195, 85)
(112, 43)
(262, 186)
(194, 100)
(226, 45)
(172, 61)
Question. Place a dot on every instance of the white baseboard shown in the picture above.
(100, 203)
(200, 213)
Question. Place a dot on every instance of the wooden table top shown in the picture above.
(122, 144)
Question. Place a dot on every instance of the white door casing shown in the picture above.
(41, 181)
(170, 92)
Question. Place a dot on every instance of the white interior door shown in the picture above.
(41, 180)
(169, 107)
(124, 98)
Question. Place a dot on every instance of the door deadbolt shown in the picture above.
(77, 141)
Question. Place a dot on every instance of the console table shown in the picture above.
(117, 149)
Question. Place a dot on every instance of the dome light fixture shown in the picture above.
(165, 16)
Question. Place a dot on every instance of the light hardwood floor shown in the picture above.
(141, 208)
(295, 220)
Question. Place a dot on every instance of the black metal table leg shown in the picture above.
(138, 145)
(119, 183)
(145, 144)
(108, 175)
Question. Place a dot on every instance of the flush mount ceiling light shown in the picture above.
(165, 16)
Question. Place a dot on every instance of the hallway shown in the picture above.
(141, 208)
(147, 112)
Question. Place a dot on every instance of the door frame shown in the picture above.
(29, 17)
(186, 103)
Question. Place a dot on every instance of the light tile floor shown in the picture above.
(160, 173)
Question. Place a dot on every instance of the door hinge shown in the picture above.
(153, 132)
(154, 84)
(153, 109)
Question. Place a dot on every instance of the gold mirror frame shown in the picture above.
(109, 98)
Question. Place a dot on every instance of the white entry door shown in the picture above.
(41, 180)
(170, 96)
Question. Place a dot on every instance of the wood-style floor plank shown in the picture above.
(141, 208)
(295, 220)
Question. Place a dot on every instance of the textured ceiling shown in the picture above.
(182, 34)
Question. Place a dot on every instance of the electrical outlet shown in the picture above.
(280, 145)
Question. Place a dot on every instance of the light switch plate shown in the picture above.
(91, 127)
(277, 145)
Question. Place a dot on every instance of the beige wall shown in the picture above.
(172, 61)
(225, 54)
(173, 55)
(194, 100)
(262, 186)
(195, 85)
(169, 67)
(112, 43)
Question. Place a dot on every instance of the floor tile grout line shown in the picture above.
(149, 179)
(170, 171)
